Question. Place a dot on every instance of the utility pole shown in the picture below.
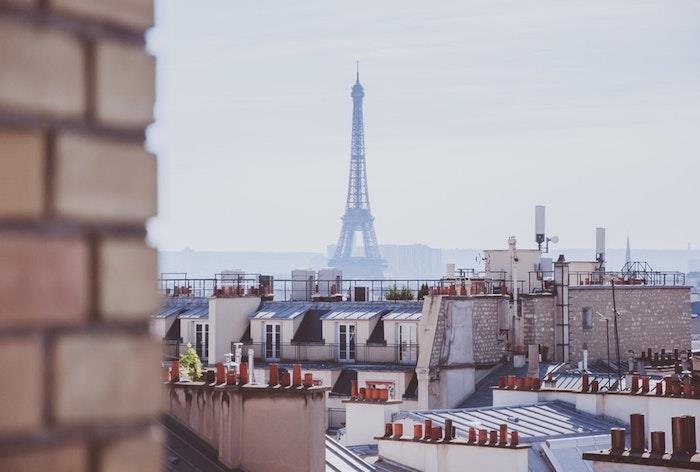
(617, 335)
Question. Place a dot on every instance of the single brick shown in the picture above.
(125, 85)
(21, 393)
(142, 452)
(21, 174)
(107, 376)
(44, 280)
(104, 180)
(66, 458)
(131, 13)
(128, 272)
(41, 71)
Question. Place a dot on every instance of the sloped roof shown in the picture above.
(281, 310)
(411, 312)
(534, 423)
(172, 306)
(341, 459)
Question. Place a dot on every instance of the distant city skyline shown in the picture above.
(475, 112)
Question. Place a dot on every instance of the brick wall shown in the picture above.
(79, 383)
(650, 317)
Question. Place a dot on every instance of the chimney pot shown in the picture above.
(220, 373)
(353, 389)
(448, 429)
(483, 436)
(230, 378)
(308, 380)
(472, 436)
(417, 432)
(274, 374)
(690, 441)
(502, 381)
(635, 383)
(493, 437)
(645, 384)
(285, 379)
(637, 432)
(388, 430)
(594, 386)
(678, 435)
(617, 439)
(428, 428)
(503, 434)
(363, 393)
(398, 430)
(514, 438)
(658, 442)
(243, 375)
(658, 388)
(584, 382)
(296, 375)
(436, 433)
(175, 371)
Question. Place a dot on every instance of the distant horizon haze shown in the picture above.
(475, 112)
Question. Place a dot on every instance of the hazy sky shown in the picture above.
(475, 111)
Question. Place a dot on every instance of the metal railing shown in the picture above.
(543, 281)
(333, 352)
(374, 290)
(173, 348)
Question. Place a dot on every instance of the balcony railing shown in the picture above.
(332, 352)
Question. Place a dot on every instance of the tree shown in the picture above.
(395, 293)
(190, 361)
(424, 290)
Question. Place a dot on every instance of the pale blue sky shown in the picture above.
(475, 111)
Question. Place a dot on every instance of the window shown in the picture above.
(587, 317)
(346, 342)
(272, 340)
(201, 340)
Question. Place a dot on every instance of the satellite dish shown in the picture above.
(555, 239)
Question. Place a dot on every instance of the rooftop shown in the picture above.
(534, 423)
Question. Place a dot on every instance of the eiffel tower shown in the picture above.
(358, 216)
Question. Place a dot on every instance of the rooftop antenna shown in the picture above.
(358, 71)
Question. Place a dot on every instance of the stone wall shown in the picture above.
(650, 317)
(538, 321)
(77, 280)
(488, 347)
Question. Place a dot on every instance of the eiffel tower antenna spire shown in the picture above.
(358, 215)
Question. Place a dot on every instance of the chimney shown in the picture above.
(296, 375)
(514, 438)
(448, 430)
(617, 439)
(658, 442)
(417, 432)
(689, 434)
(274, 374)
(428, 427)
(637, 432)
(175, 371)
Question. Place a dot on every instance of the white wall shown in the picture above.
(364, 420)
(437, 457)
(228, 320)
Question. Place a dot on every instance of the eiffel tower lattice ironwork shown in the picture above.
(358, 216)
